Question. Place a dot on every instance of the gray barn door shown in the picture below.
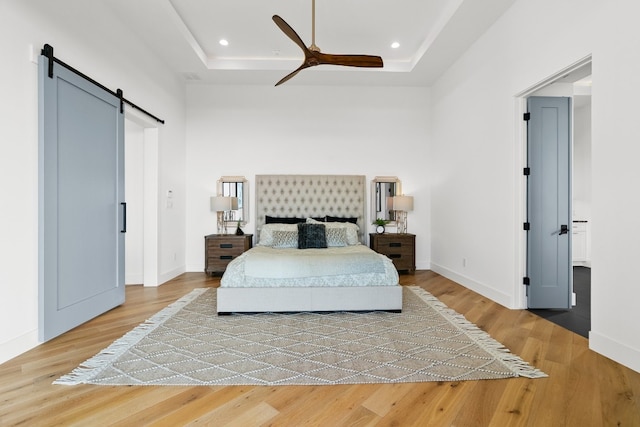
(81, 190)
(548, 203)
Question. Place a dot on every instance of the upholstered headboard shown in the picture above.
(305, 196)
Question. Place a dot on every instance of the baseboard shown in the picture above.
(487, 291)
(165, 277)
(19, 345)
(614, 350)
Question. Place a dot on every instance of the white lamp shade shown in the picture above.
(220, 204)
(234, 203)
(403, 203)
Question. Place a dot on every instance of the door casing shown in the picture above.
(520, 156)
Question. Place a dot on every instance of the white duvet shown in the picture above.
(264, 266)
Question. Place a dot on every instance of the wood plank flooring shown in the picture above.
(583, 388)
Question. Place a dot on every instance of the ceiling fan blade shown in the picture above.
(313, 57)
(349, 60)
(288, 76)
(286, 28)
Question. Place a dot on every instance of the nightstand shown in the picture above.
(220, 249)
(401, 248)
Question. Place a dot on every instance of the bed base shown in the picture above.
(318, 299)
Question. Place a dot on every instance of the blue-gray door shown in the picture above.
(548, 203)
(81, 195)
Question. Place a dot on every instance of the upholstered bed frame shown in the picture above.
(305, 196)
(311, 196)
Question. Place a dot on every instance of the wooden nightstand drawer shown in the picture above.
(400, 248)
(217, 265)
(220, 249)
(226, 245)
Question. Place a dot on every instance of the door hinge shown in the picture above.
(526, 226)
(526, 116)
(526, 281)
(526, 171)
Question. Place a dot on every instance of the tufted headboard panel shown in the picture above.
(306, 196)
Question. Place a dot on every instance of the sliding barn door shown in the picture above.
(82, 216)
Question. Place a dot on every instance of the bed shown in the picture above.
(310, 212)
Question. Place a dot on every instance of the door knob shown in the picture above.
(564, 229)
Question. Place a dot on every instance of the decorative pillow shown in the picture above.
(267, 232)
(351, 229)
(282, 220)
(336, 237)
(339, 219)
(311, 236)
(285, 239)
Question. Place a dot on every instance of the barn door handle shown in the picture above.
(124, 217)
(564, 229)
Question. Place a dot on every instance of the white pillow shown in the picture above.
(336, 237)
(266, 233)
(350, 228)
(285, 239)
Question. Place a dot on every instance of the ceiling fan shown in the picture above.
(312, 54)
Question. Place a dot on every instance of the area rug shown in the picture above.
(187, 343)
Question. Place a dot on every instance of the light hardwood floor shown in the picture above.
(583, 388)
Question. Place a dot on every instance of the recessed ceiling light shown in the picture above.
(224, 42)
(395, 45)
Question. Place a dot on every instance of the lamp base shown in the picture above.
(222, 225)
(401, 220)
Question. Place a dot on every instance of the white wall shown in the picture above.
(89, 46)
(249, 130)
(134, 192)
(615, 330)
(581, 183)
(582, 160)
(477, 156)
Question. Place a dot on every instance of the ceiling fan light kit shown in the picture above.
(312, 54)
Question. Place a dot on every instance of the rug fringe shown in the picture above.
(517, 365)
(91, 367)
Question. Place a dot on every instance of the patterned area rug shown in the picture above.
(187, 343)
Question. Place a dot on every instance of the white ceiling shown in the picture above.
(186, 34)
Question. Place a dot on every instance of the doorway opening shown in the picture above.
(141, 193)
(574, 82)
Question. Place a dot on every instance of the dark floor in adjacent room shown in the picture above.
(578, 318)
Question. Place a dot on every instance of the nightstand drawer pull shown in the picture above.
(226, 245)
(394, 256)
(226, 256)
(395, 244)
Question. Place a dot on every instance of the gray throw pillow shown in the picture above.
(312, 236)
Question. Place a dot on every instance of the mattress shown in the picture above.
(355, 265)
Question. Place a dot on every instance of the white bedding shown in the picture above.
(355, 265)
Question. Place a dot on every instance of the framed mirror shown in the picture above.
(382, 189)
(238, 187)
